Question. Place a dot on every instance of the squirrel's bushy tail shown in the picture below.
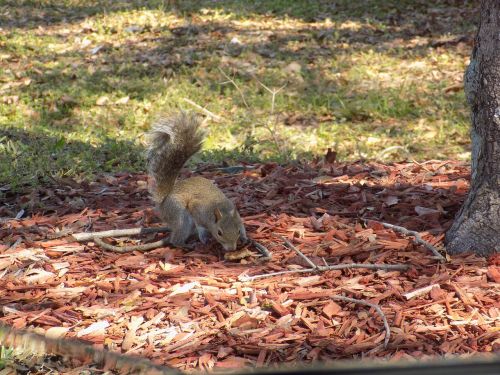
(172, 141)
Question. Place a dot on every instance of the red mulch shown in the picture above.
(189, 309)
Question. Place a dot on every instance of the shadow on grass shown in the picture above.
(392, 13)
(34, 158)
(39, 158)
(30, 14)
(370, 24)
(64, 84)
(141, 71)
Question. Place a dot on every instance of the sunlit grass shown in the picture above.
(80, 82)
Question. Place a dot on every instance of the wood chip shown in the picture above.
(192, 309)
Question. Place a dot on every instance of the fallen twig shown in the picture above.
(262, 249)
(387, 267)
(417, 236)
(88, 236)
(126, 249)
(377, 309)
(98, 236)
(420, 291)
(302, 255)
(327, 267)
(212, 115)
(389, 149)
(15, 244)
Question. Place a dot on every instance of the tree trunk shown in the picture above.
(477, 225)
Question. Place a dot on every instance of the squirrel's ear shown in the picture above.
(218, 214)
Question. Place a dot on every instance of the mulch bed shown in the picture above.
(190, 310)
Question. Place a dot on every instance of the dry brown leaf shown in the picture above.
(103, 100)
(38, 276)
(94, 328)
(56, 332)
(237, 255)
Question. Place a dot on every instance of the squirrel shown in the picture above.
(193, 205)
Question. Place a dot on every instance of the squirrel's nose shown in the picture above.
(230, 247)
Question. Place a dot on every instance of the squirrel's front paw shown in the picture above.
(186, 246)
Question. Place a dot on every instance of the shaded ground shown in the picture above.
(191, 310)
(80, 80)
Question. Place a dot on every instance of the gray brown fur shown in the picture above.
(172, 141)
(194, 205)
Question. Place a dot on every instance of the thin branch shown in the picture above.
(302, 255)
(421, 165)
(273, 92)
(212, 115)
(391, 148)
(386, 267)
(315, 268)
(98, 236)
(262, 249)
(15, 244)
(420, 291)
(276, 140)
(246, 278)
(264, 86)
(275, 120)
(126, 249)
(88, 236)
(417, 236)
(377, 309)
(229, 79)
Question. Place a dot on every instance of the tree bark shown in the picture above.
(477, 225)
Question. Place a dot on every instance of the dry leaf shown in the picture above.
(237, 255)
(65, 293)
(122, 101)
(181, 289)
(130, 336)
(233, 363)
(103, 100)
(56, 332)
(38, 276)
(391, 200)
(93, 328)
(424, 210)
(293, 68)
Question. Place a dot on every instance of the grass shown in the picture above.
(81, 81)
(5, 356)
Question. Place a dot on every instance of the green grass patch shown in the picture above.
(81, 81)
(6, 356)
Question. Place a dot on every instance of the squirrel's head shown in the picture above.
(226, 229)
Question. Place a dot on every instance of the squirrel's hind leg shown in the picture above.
(179, 220)
(182, 229)
(203, 234)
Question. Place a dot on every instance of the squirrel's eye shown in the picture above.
(219, 232)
